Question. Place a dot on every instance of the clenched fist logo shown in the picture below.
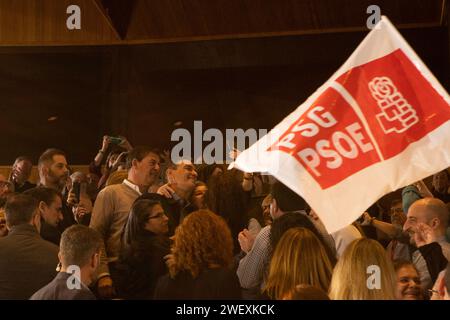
(396, 115)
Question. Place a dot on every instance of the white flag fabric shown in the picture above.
(379, 123)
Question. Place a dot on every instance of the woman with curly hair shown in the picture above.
(200, 264)
(300, 258)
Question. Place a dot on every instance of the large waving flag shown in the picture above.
(379, 123)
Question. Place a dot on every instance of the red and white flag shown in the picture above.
(379, 123)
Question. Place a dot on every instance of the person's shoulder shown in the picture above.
(45, 293)
(83, 294)
(264, 234)
(47, 245)
(113, 189)
(222, 272)
(5, 244)
(160, 242)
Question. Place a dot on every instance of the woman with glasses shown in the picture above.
(144, 245)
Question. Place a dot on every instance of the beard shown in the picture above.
(60, 181)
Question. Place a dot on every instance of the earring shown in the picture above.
(58, 267)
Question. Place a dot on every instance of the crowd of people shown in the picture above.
(138, 226)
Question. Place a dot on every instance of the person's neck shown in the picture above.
(135, 181)
(50, 185)
(440, 233)
(19, 183)
(85, 278)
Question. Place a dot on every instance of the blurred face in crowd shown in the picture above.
(6, 188)
(265, 206)
(427, 211)
(275, 212)
(217, 172)
(183, 177)
(397, 215)
(440, 182)
(416, 215)
(51, 214)
(3, 228)
(408, 284)
(147, 170)
(198, 197)
(158, 222)
(58, 172)
(21, 171)
(112, 159)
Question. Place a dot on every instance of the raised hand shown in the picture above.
(246, 240)
(166, 191)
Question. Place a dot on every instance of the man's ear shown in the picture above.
(274, 205)
(37, 221)
(42, 206)
(435, 222)
(95, 260)
(45, 170)
(134, 163)
(169, 172)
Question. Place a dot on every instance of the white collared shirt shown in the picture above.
(132, 186)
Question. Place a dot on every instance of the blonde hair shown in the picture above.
(350, 279)
(299, 258)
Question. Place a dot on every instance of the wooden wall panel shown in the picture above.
(141, 91)
(197, 19)
(43, 22)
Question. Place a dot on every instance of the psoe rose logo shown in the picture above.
(397, 115)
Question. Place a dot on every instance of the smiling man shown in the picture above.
(112, 207)
(181, 179)
(426, 223)
(21, 172)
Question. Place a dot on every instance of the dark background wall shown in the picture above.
(140, 91)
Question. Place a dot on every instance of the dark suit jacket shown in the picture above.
(58, 290)
(27, 262)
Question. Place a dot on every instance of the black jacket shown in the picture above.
(59, 290)
(27, 262)
(210, 284)
(140, 265)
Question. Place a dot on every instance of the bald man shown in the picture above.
(426, 223)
